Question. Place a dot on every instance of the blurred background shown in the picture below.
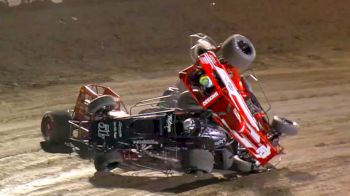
(45, 43)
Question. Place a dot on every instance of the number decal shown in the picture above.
(263, 151)
(102, 130)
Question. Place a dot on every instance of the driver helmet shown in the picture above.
(205, 82)
(189, 124)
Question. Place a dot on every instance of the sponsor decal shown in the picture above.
(145, 142)
(117, 130)
(120, 129)
(169, 123)
(263, 151)
(210, 98)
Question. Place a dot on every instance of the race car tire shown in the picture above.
(55, 148)
(197, 160)
(187, 102)
(284, 126)
(103, 103)
(242, 166)
(107, 161)
(238, 51)
(55, 127)
(224, 158)
(171, 101)
(180, 85)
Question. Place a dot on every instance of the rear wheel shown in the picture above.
(197, 160)
(55, 127)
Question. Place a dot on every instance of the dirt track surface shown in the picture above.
(311, 86)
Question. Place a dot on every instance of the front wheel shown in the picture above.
(197, 160)
(224, 158)
(108, 161)
(55, 127)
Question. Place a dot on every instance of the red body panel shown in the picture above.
(226, 100)
(88, 93)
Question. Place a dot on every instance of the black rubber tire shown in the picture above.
(55, 148)
(224, 158)
(104, 102)
(169, 102)
(187, 102)
(197, 160)
(59, 128)
(238, 51)
(242, 166)
(284, 126)
(107, 161)
(181, 86)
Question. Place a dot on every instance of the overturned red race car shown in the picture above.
(228, 95)
(211, 119)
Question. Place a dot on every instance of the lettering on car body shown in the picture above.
(102, 130)
(263, 151)
(120, 129)
(210, 98)
(145, 142)
(169, 123)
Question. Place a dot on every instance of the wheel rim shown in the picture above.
(244, 47)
